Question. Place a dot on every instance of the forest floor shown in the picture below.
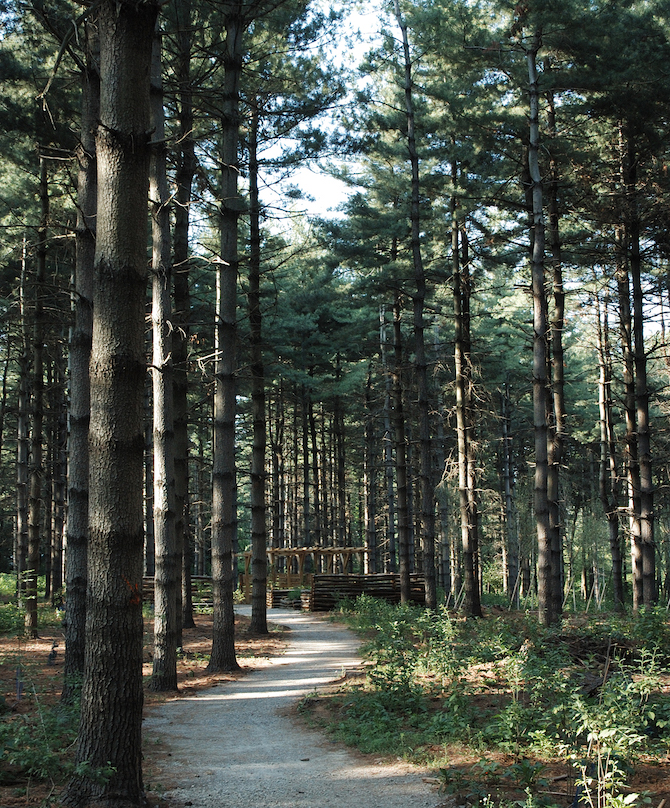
(192, 739)
(31, 683)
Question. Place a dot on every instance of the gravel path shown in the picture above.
(237, 746)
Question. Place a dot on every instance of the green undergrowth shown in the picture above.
(589, 695)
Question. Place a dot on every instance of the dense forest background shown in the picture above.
(496, 282)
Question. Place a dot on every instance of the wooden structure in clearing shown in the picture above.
(295, 567)
(327, 590)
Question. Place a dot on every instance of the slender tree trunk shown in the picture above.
(339, 437)
(609, 476)
(167, 579)
(224, 473)
(35, 523)
(185, 172)
(547, 601)
(558, 431)
(258, 524)
(59, 475)
(463, 383)
(511, 534)
(79, 354)
(400, 443)
(427, 517)
(22, 441)
(646, 491)
(390, 562)
(370, 480)
(110, 729)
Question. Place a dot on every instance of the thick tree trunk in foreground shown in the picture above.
(110, 730)
(80, 399)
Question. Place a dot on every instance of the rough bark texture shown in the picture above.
(37, 413)
(400, 443)
(224, 486)
(22, 444)
(609, 474)
(110, 729)
(547, 603)
(464, 426)
(258, 524)
(646, 481)
(167, 581)
(370, 480)
(185, 172)
(558, 429)
(427, 516)
(79, 354)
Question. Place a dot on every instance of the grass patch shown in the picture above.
(585, 705)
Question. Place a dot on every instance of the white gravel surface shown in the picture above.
(237, 745)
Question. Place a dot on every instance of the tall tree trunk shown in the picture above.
(463, 383)
(340, 467)
(35, 523)
(646, 492)
(400, 443)
(167, 579)
(370, 481)
(224, 473)
(59, 474)
(547, 602)
(390, 562)
(609, 475)
(185, 172)
(557, 433)
(22, 440)
(79, 354)
(427, 520)
(511, 534)
(110, 730)
(258, 525)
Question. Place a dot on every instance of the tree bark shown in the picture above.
(400, 443)
(646, 480)
(609, 475)
(557, 433)
(36, 476)
(464, 421)
(185, 172)
(167, 578)
(427, 515)
(370, 480)
(258, 524)
(224, 484)
(110, 728)
(80, 351)
(390, 561)
(547, 603)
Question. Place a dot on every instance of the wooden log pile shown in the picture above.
(327, 590)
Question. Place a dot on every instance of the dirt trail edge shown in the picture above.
(237, 744)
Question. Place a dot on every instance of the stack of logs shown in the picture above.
(327, 590)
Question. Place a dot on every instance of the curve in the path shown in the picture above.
(235, 746)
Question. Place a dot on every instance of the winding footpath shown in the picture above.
(236, 745)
